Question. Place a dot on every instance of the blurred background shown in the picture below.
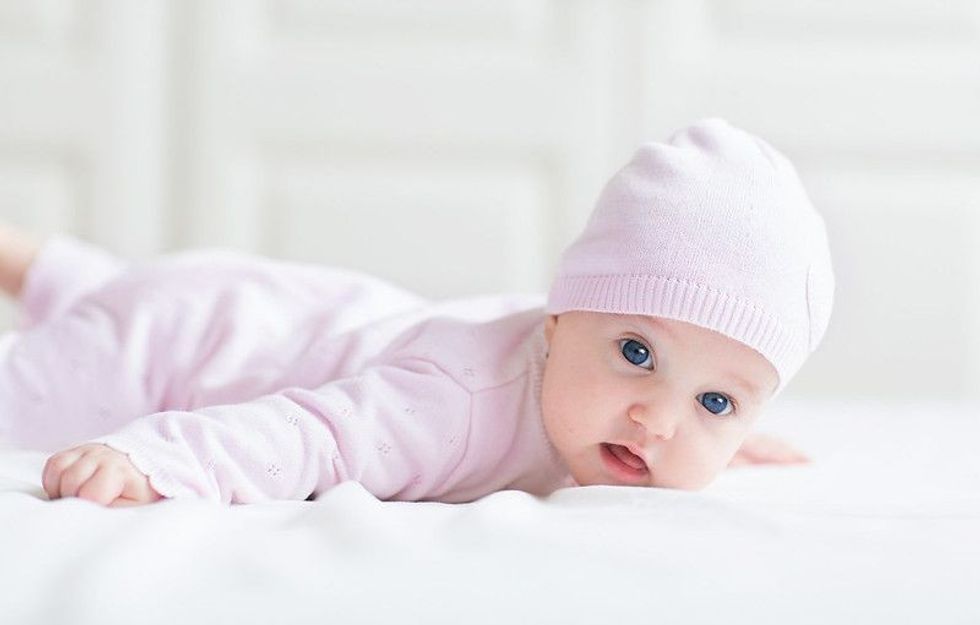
(456, 146)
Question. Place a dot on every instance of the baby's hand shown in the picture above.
(98, 473)
(765, 449)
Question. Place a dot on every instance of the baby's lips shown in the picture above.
(629, 456)
(634, 450)
(621, 464)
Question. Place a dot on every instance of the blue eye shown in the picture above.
(716, 403)
(636, 352)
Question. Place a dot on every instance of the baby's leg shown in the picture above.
(77, 376)
(17, 252)
(49, 276)
(62, 376)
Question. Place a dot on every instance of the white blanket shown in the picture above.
(884, 527)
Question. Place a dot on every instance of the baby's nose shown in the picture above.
(659, 421)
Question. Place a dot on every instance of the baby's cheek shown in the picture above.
(560, 417)
(699, 465)
(695, 479)
(563, 396)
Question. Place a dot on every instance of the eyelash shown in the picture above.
(626, 339)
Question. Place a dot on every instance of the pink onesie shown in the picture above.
(242, 379)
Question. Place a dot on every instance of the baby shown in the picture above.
(700, 285)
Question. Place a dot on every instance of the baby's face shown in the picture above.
(681, 397)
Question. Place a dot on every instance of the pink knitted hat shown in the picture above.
(713, 228)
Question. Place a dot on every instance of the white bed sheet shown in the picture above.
(884, 527)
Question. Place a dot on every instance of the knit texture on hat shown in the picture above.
(713, 228)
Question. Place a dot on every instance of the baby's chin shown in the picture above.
(654, 484)
(589, 476)
(588, 468)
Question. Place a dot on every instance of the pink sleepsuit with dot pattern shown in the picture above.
(242, 379)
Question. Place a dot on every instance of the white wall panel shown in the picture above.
(39, 191)
(82, 87)
(350, 131)
(906, 308)
(503, 23)
(440, 226)
(41, 27)
(494, 86)
(876, 105)
(828, 23)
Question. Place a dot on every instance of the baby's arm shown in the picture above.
(398, 430)
(98, 473)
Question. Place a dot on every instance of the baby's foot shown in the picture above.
(17, 252)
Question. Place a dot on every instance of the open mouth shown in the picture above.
(623, 463)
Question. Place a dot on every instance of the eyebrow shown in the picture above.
(652, 323)
(750, 389)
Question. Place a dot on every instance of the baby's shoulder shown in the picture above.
(481, 343)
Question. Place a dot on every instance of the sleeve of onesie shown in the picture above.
(399, 430)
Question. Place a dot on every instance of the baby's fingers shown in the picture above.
(138, 490)
(76, 475)
(54, 468)
(103, 487)
(123, 502)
